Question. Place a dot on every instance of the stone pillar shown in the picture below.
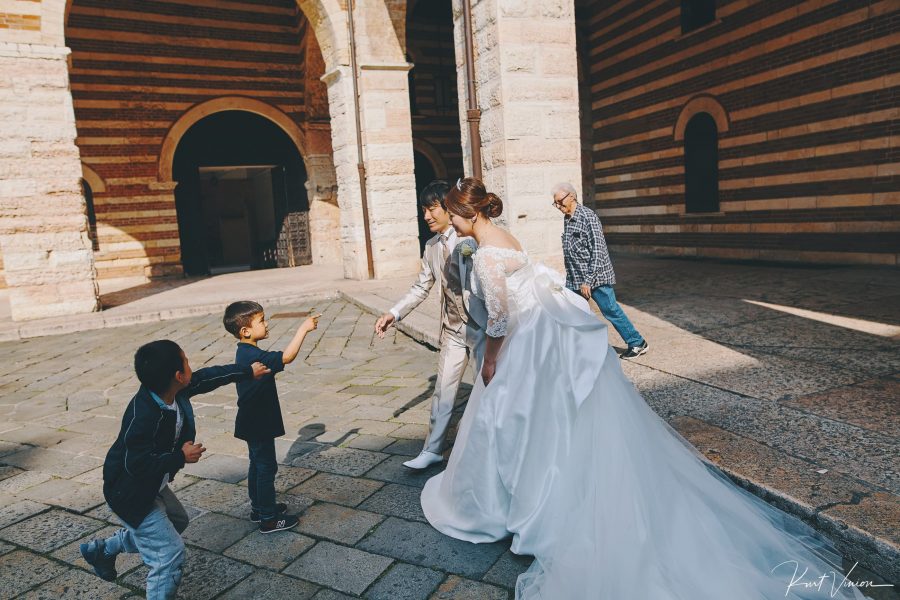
(44, 238)
(527, 87)
(324, 214)
(388, 156)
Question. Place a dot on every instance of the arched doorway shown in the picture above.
(240, 199)
(425, 174)
(433, 97)
(701, 164)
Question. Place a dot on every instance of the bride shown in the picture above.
(557, 448)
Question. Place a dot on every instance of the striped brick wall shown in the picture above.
(809, 162)
(136, 67)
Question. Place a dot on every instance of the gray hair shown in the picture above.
(568, 188)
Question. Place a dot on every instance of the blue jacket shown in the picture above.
(146, 448)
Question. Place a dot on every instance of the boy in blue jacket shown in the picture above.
(155, 441)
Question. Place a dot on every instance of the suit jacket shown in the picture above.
(146, 448)
(432, 272)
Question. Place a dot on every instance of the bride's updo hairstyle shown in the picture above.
(469, 197)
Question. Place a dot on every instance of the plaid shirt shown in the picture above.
(584, 250)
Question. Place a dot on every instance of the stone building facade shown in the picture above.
(150, 139)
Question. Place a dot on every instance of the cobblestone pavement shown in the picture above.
(775, 397)
(356, 408)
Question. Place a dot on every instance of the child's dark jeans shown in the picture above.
(261, 478)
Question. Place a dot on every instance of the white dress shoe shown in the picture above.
(423, 460)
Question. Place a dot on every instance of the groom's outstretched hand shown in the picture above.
(382, 324)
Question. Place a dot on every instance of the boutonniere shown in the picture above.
(467, 249)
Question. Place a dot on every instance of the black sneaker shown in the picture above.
(104, 566)
(635, 351)
(279, 508)
(281, 523)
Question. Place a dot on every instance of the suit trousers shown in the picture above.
(452, 363)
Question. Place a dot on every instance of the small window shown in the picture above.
(701, 164)
(697, 13)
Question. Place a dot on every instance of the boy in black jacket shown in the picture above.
(154, 443)
(258, 420)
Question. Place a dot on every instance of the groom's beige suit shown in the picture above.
(463, 318)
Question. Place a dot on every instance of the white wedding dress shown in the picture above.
(561, 452)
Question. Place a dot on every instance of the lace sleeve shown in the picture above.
(490, 270)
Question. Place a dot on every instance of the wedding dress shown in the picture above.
(563, 453)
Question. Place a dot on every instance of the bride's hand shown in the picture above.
(487, 371)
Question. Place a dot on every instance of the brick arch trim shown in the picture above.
(699, 104)
(204, 109)
(93, 179)
(433, 156)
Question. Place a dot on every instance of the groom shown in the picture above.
(447, 260)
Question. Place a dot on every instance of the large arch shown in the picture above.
(205, 109)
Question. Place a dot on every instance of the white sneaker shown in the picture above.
(424, 460)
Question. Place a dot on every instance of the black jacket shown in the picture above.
(146, 448)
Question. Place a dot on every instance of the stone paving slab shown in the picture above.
(215, 532)
(268, 586)
(405, 582)
(271, 551)
(49, 531)
(19, 511)
(507, 569)
(458, 588)
(77, 585)
(21, 570)
(342, 461)
(344, 569)
(337, 523)
(396, 500)
(221, 467)
(419, 544)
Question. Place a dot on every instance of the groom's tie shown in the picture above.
(446, 244)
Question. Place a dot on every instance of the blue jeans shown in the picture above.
(261, 478)
(605, 298)
(158, 539)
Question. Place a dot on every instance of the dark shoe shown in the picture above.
(104, 566)
(281, 523)
(279, 508)
(635, 351)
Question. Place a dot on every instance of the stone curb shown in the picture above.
(62, 325)
(873, 552)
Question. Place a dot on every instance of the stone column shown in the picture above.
(388, 156)
(324, 214)
(44, 238)
(527, 87)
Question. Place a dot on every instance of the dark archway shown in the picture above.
(425, 174)
(701, 164)
(434, 102)
(241, 199)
